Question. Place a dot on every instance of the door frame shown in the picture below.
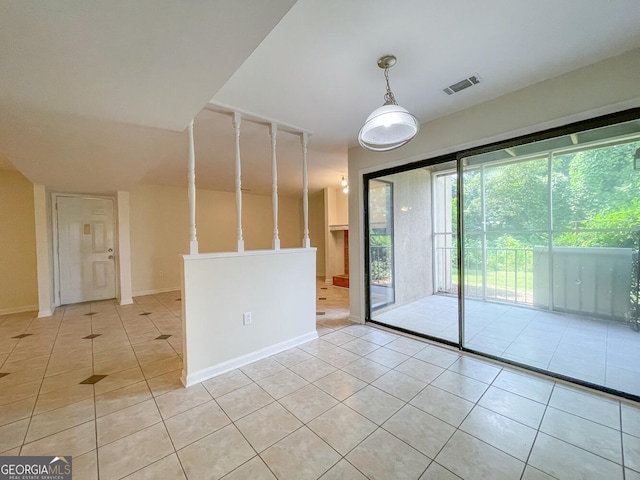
(375, 175)
(54, 231)
(388, 184)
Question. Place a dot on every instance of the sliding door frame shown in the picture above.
(388, 184)
(569, 129)
(459, 157)
(367, 265)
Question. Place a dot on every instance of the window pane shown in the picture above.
(413, 270)
(551, 239)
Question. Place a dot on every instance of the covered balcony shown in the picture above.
(550, 233)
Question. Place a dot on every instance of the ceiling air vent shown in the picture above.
(462, 84)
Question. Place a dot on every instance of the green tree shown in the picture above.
(472, 215)
(517, 196)
(594, 185)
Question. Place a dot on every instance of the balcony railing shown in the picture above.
(508, 276)
(595, 281)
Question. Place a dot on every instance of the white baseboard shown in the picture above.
(355, 319)
(220, 368)
(153, 292)
(46, 313)
(24, 308)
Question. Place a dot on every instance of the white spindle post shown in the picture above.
(274, 174)
(237, 118)
(191, 181)
(304, 139)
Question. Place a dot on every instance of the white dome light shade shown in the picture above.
(388, 127)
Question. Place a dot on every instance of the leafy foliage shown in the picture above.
(380, 258)
(594, 196)
(595, 189)
(517, 196)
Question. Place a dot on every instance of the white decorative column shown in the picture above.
(124, 248)
(191, 181)
(44, 262)
(274, 174)
(237, 118)
(304, 139)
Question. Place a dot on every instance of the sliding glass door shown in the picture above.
(381, 244)
(550, 248)
(412, 250)
(545, 264)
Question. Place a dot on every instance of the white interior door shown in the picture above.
(86, 251)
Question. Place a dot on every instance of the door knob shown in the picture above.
(110, 257)
(110, 250)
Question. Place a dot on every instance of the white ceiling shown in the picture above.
(95, 96)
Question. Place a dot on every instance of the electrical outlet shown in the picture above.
(246, 318)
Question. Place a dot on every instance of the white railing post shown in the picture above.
(237, 118)
(274, 173)
(191, 181)
(304, 139)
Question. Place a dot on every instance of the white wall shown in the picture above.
(412, 235)
(336, 208)
(277, 287)
(159, 234)
(18, 280)
(124, 249)
(317, 229)
(335, 254)
(44, 250)
(159, 223)
(604, 87)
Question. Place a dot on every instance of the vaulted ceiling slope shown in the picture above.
(94, 95)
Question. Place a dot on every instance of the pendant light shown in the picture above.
(390, 126)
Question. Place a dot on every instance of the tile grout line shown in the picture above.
(377, 426)
(476, 404)
(456, 428)
(95, 407)
(154, 398)
(368, 383)
(577, 446)
(535, 438)
(381, 426)
(624, 473)
(95, 400)
(257, 454)
(162, 420)
(303, 423)
(337, 369)
(44, 373)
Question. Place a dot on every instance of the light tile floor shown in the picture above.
(597, 351)
(357, 403)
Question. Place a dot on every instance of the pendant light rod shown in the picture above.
(389, 126)
(386, 63)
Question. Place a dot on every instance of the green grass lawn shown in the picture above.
(502, 285)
